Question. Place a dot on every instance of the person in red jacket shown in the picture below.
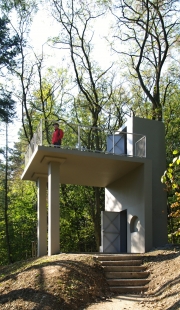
(57, 135)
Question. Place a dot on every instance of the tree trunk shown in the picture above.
(6, 201)
(97, 217)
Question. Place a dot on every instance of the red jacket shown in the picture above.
(57, 135)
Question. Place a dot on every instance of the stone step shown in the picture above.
(128, 289)
(124, 268)
(136, 262)
(127, 282)
(118, 257)
(127, 275)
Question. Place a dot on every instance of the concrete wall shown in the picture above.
(128, 127)
(141, 191)
(133, 192)
(155, 150)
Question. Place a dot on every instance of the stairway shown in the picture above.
(124, 272)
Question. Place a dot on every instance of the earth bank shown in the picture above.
(77, 281)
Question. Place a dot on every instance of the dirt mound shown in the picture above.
(74, 281)
(65, 281)
(164, 287)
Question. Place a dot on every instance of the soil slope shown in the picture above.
(75, 281)
(164, 287)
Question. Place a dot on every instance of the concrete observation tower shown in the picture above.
(130, 170)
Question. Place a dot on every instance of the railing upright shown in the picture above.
(145, 146)
(79, 137)
(29, 150)
(113, 143)
(117, 142)
(41, 132)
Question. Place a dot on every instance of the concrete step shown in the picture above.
(118, 257)
(127, 275)
(128, 289)
(136, 262)
(124, 272)
(127, 282)
(124, 268)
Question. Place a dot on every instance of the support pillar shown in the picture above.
(42, 217)
(53, 209)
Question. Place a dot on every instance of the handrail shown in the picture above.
(97, 140)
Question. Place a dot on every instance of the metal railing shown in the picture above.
(86, 138)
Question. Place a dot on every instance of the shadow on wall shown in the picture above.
(137, 240)
(112, 204)
(134, 224)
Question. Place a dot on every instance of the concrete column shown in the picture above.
(42, 217)
(53, 209)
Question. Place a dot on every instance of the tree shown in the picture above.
(9, 49)
(24, 11)
(95, 85)
(7, 108)
(49, 96)
(9, 45)
(18, 221)
(171, 112)
(148, 30)
(76, 226)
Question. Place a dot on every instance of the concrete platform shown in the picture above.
(80, 167)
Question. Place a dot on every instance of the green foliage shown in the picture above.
(22, 218)
(9, 46)
(146, 31)
(171, 120)
(7, 108)
(22, 5)
(76, 225)
(171, 178)
(22, 213)
(3, 251)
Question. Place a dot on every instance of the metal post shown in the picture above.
(35, 139)
(29, 147)
(79, 137)
(145, 146)
(113, 142)
(41, 138)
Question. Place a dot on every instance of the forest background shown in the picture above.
(102, 61)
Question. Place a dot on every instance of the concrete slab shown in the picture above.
(80, 167)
